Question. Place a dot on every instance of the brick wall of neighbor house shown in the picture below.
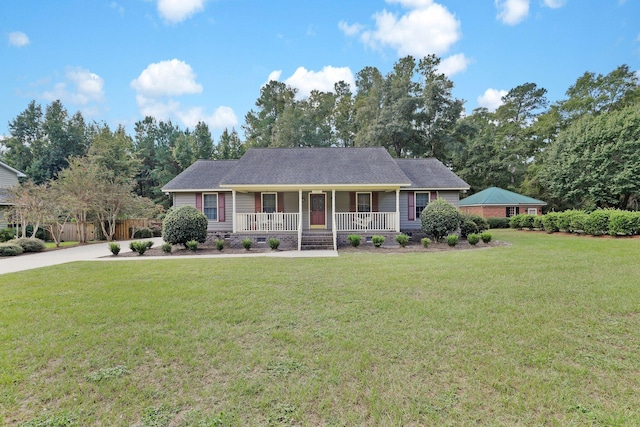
(496, 211)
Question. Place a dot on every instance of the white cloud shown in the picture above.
(18, 39)
(81, 87)
(555, 4)
(174, 11)
(491, 99)
(420, 32)
(512, 12)
(350, 30)
(274, 75)
(305, 80)
(454, 64)
(158, 85)
(172, 77)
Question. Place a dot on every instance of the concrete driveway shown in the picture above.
(98, 252)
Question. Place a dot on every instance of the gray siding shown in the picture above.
(189, 199)
(3, 221)
(7, 178)
(452, 197)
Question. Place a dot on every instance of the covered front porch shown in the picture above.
(352, 210)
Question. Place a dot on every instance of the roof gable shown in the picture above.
(430, 173)
(499, 196)
(13, 171)
(202, 175)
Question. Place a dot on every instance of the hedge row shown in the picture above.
(614, 222)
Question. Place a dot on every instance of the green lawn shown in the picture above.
(543, 332)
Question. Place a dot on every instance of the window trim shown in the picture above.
(532, 211)
(217, 206)
(370, 201)
(415, 203)
(275, 194)
(515, 211)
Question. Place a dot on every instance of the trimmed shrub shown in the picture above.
(377, 241)
(452, 240)
(497, 222)
(514, 221)
(166, 248)
(114, 248)
(7, 234)
(184, 224)
(10, 249)
(473, 239)
(550, 222)
(597, 223)
(157, 231)
(578, 221)
(140, 246)
(468, 227)
(192, 245)
(246, 243)
(425, 242)
(29, 244)
(402, 240)
(354, 240)
(621, 223)
(219, 244)
(143, 233)
(486, 237)
(439, 219)
(274, 243)
(479, 221)
(537, 222)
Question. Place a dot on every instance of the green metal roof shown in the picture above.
(499, 196)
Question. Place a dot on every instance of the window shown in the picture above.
(512, 211)
(269, 202)
(532, 211)
(422, 200)
(363, 201)
(210, 206)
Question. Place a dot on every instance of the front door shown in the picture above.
(317, 217)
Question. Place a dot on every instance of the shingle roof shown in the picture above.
(316, 166)
(499, 196)
(202, 175)
(430, 173)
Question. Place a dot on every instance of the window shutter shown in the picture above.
(374, 201)
(199, 201)
(352, 201)
(221, 217)
(412, 207)
(280, 202)
(258, 197)
(506, 214)
(517, 210)
(433, 196)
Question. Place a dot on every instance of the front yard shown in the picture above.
(544, 331)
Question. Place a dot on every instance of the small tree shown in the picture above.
(183, 225)
(439, 219)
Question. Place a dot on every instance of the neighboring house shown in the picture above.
(8, 178)
(313, 196)
(498, 203)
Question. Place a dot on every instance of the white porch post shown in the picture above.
(397, 210)
(333, 219)
(299, 219)
(233, 213)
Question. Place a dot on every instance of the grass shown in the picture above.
(543, 332)
(52, 245)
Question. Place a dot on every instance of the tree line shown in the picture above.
(579, 152)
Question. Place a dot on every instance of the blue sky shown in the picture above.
(191, 60)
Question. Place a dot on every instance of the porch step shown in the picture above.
(317, 241)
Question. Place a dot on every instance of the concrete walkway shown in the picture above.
(97, 252)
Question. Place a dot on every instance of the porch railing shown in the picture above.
(366, 221)
(265, 222)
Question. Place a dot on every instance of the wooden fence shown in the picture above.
(124, 229)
